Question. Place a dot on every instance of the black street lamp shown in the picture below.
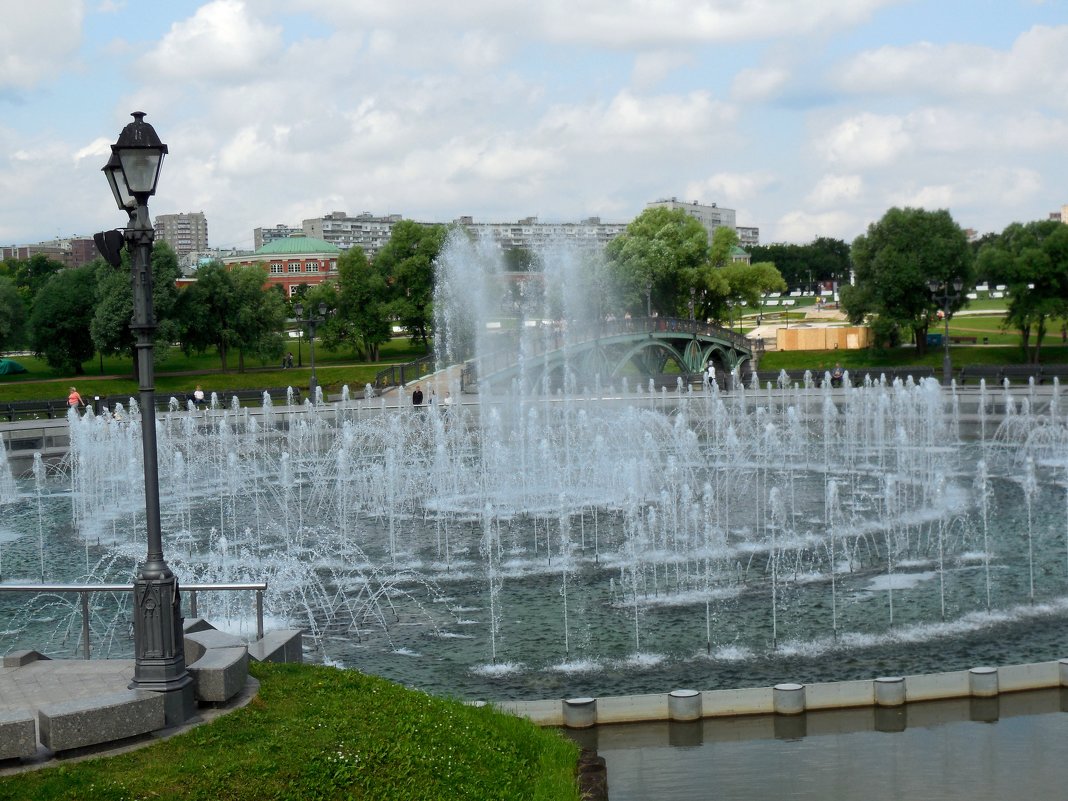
(946, 293)
(693, 295)
(311, 322)
(648, 298)
(159, 658)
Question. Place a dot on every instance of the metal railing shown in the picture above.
(397, 375)
(85, 590)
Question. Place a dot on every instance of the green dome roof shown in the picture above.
(297, 244)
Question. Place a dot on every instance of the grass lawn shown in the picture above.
(179, 373)
(856, 359)
(316, 732)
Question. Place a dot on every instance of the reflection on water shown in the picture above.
(975, 749)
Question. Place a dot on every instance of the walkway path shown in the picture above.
(51, 681)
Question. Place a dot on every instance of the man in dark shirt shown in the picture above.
(417, 396)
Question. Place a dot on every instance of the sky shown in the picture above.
(809, 118)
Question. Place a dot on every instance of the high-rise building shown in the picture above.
(711, 217)
(185, 233)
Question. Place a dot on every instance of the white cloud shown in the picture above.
(632, 122)
(732, 188)
(41, 39)
(972, 190)
(799, 226)
(832, 189)
(221, 41)
(1035, 67)
(613, 23)
(758, 84)
(652, 67)
(865, 140)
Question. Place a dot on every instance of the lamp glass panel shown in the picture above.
(123, 198)
(141, 168)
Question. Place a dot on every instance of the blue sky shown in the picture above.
(809, 118)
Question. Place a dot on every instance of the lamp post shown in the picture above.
(311, 322)
(693, 296)
(946, 293)
(159, 658)
(648, 298)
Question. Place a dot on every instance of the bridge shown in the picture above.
(641, 347)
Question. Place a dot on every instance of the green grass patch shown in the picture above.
(906, 356)
(179, 373)
(315, 732)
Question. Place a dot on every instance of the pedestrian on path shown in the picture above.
(74, 400)
(417, 396)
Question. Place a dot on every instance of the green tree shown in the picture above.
(110, 327)
(59, 322)
(1032, 261)
(360, 296)
(663, 252)
(32, 274)
(823, 259)
(893, 263)
(260, 313)
(12, 315)
(208, 312)
(748, 283)
(407, 261)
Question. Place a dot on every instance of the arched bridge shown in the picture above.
(645, 347)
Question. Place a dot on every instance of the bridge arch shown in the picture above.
(611, 349)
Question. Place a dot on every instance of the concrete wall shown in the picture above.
(978, 689)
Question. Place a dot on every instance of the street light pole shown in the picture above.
(311, 322)
(946, 298)
(648, 298)
(159, 651)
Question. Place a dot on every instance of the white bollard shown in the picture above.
(788, 699)
(684, 705)
(580, 713)
(889, 691)
(983, 682)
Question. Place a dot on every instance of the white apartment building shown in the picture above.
(364, 231)
(529, 234)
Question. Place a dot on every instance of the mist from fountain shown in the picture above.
(574, 533)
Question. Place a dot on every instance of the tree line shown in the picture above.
(66, 315)
(663, 263)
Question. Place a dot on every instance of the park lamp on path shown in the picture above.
(311, 322)
(946, 292)
(159, 652)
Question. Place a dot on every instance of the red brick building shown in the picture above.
(294, 261)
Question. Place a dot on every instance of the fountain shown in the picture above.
(580, 537)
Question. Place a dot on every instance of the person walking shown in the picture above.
(198, 396)
(417, 396)
(74, 400)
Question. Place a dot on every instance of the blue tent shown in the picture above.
(8, 367)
